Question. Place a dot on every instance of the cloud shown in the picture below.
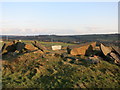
(45, 31)
(31, 31)
(97, 30)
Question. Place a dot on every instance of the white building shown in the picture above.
(56, 47)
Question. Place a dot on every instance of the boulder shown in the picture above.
(111, 52)
(39, 46)
(3, 47)
(68, 49)
(8, 47)
(68, 59)
(84, 49)
(93, 44)
(15, 41)
(20, 46)
(30, 47)
(11, 48)
(116, 49)
(116, 58)
(106, 50)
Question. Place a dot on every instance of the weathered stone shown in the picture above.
(68, 59)
(38, 51)
(93, 44)
(84, 49)
(15, 41)
(39, 46)
(12, 53)
(116, 58)
(17, 46)
(3, 47)
(105, 50)
(116, 49)
(109, 51)
(10, 47)
(97, 48)
(89, 51)
(30, 47)
(20, 46)
(68, 49)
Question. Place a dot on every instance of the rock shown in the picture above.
(10, 47)
(89, 51)
(38, 51)
(93, 44)
(68, 59)
(17, 46)
(97, 48)
(68, 49)
(20, 46)
(39, 46)
(109, 51)
(15, 41)
(3, 47)
(116, 58)
(30, 47)
(116, 49)
(105, 50)
(85, 49)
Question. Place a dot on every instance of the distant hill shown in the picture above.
(106, 38)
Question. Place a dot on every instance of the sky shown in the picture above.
(60, 18)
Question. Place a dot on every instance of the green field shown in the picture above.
(38, 70)
(47, 44)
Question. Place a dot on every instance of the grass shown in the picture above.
(36, 70)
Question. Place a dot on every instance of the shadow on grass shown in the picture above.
(12, 55)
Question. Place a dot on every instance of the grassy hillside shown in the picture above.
(51, 70)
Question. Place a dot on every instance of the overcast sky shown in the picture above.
(61, 18)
